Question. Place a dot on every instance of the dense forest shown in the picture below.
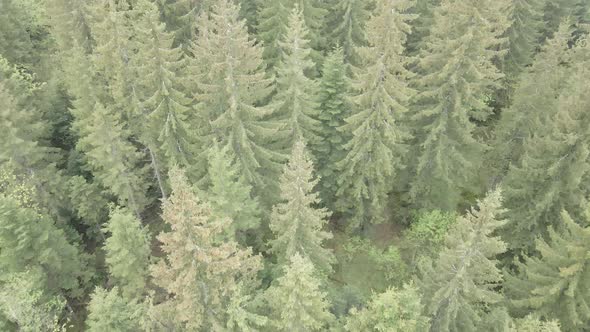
(295, 165)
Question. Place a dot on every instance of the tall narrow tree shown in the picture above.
(295, 103)
(296, 221)
(200, 272)
(457, 73)
(376, 149)
(346, 26)
(556, 284)
(463, 281)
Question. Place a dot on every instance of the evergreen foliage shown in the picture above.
(201, 273)
(109, 311)
(127, 253)
(297, 302)
(555, 283)
(346, 26)
(457, 75)
(296, 221)
(296, 105)
(395, 310)
(461, 283)
(378, 134)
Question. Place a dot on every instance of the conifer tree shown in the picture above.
(375, 151)
(109, 311)
(424, 9)
(229, 91)
(297, 302)
(334, 108)
(395, 310)
(534, 100)
(201, 273)
(296, 221)
(114, 160)
(457, 74)
(551, 174)
(296, 103)
(229, 193)
(314, 15)
(523, 36)
(32, 242)
(273, 16)
(556, 283)
(158, 66)
(463, 281)
(127, 253)
(346, 26)
(558, 10)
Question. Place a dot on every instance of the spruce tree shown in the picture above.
(296, 301)
(109, 311)
(201, 272)
(395, 310)
(533, 102)
(127, 253)
(334, 108)
(346, 26)
(422, 25)
(551, 175)
(457, 75)
(295, 103)
(314, 15)
(273, 16)
(523, 36)
(158, 67)
(375, 151)
(229, 193)
(296, 221)
(229, 89)
(32, 242)
(463, 281)
(555, 284)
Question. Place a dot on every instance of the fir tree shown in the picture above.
(395, 310)
(334, 108)
(127, 253)
(229, 90)
(201, 273)
(375, 151)
(159, 66)
(457, 75)
(346, 26)
(551, 174)
(297, 303)
(296, 103)
(556, 283)
(463, 281)
(296, 221)
(109, 311)
(229, 193)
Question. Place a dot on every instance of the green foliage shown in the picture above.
(295, 103)
(555, 284)
(229, 193)
(109, 311)
(25, 303)
(463, 280)
(200, 273)
(457, 73)
(375, 151)
(296, 221)
(296, 301)
(395, 310)
(127, 253)
(346, 26)
(549, 177)
(427, 233)
(273, 16)
(229, 90)
(334, 108)
(388, 261)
